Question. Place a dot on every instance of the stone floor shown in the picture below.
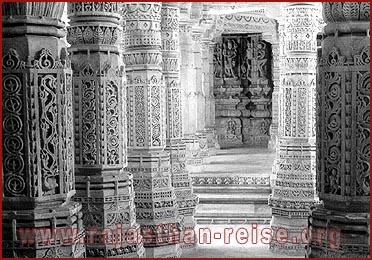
(218, 249)
(234, 187)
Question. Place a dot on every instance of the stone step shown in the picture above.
(233, 198)
(232, 213)
(233, 189)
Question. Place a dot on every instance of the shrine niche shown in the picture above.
(243, 89)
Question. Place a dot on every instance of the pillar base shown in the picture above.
(345, 235)
(273, 142)
(181, 181)
(292, 229)
(188, 235)
(43, 222)
(155, 200)
(108, 207)
(167, 251)
(203, 144)
(194, 162)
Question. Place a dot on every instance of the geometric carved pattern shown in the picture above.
(51, 122)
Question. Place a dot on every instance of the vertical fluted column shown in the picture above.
(38, 156)
(343, 134)
(155, 200)
(293, 191)
(181, 180)
(103, 187)
(188, 86)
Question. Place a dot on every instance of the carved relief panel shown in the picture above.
(243, 89)
(37, 126)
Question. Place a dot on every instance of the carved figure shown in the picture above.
(261, 60)
(230, 53)
(246, 66)
(217, 61)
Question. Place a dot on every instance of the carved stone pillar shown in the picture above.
(181, 180)
(210, 120)
(275, 96)
(188, 84)
(38, 153)
(293, 192)
(280, 74)
(343, 134)
(207, 81)
(155, 200)
(198, 86)
(102, 186)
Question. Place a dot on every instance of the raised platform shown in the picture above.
(234, 187)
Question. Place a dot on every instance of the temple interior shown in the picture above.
(185, 129)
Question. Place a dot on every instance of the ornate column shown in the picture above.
(343, 134)
(188, 85)
(38, 155)
(293, 192)
(156, 202)
(181, 180)
(102, 186)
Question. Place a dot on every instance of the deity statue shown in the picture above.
(230, 53)
(261, 60)
(231, 128)
(217, 61)
(246, 66)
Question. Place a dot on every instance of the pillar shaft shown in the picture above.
(38, 155)
(343, 133)
(188, 86)
(207, 54)
(293, 191)
(103, 187)
(200, 94)
(155, 200)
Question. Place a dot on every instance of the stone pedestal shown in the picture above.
(155, 200)
(343, 134)
(38, 155)
(103, 187)
(293, 189)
